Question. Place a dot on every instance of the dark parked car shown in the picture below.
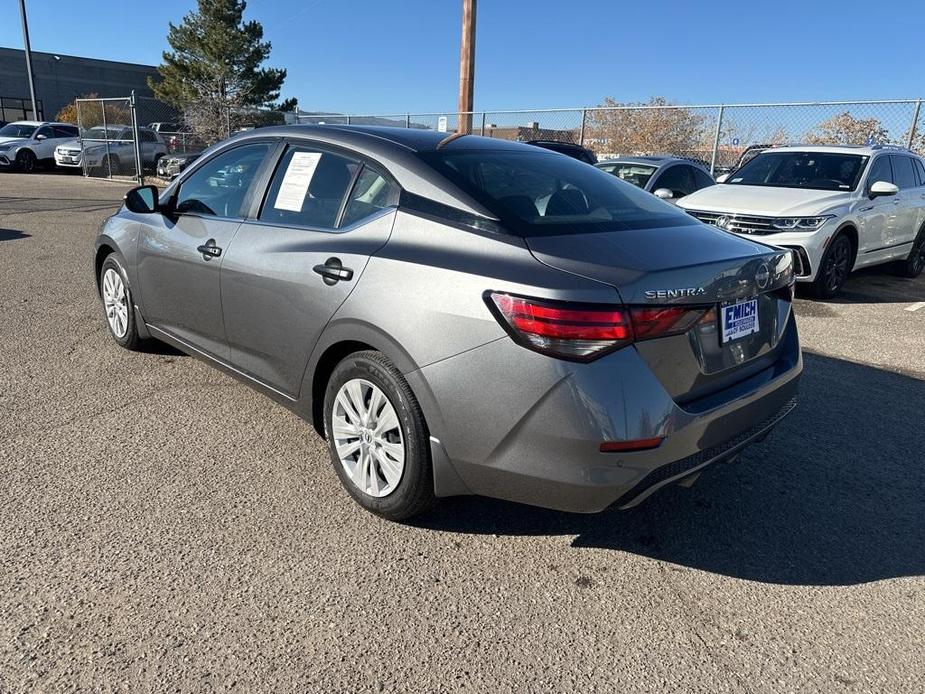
(569, 148)
(669, 178)
(459, 314)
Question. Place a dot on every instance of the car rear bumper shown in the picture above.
(533, 429)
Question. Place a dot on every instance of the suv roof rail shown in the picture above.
(901, 148)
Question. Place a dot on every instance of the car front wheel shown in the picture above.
(834, 268)
(117, 303)
(378, 438)
(26, 161)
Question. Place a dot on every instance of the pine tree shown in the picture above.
(213, 73)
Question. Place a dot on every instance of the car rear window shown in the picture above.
(544, 194)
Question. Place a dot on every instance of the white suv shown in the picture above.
(839, 207)
(26, 144)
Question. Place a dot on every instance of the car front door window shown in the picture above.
(219, 187)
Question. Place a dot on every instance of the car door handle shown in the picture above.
(209, 250)
(333, 271)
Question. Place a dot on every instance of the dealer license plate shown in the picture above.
(738, 320)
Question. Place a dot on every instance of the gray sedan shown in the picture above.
(670, 178)
(460, 315)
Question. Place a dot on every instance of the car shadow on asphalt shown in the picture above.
(835, 496)
(12, 235)
(879, 285)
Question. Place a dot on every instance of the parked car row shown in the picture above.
(26, 145)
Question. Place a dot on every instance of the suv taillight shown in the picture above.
(583, 332)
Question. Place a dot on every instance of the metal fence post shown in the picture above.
(80, 141)
(581, 131)
(482, 131)
(915, 122)
(106, 137)
(139, 165)
(348, 120)
(407, 120)
(719, 128)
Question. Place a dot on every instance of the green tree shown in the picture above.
(213, 75)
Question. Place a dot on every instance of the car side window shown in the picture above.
(702, 179)
(904, 176)
(45, 130)
(219, 186)
(371, 192)
(880, 170)
(63, 131)
(147, 136)
(308, 188)
(920, 168)
(678, 179)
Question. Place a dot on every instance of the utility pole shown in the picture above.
(25, 40)
(466, 68)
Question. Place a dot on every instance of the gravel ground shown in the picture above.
(164, 528)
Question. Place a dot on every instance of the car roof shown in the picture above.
(39, 122)
(653, 160)
(398, 150)
(866, 150)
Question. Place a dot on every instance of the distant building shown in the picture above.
(59, 79)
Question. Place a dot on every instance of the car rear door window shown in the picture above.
(65, 131)
(371, 192)
(920, 169)
(904, 176)
(219, 187)
(308, 188)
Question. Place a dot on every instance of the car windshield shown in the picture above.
(17, 130)
(637, 174)
(547, 194)
(811, 170)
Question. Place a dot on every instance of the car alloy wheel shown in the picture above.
(25, 161)
(368, 438)
(114, 300)
(836, 266)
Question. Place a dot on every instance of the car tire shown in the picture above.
(26, 161)
(370, 417)
(912, 266)
(834, 268)
(118, 307)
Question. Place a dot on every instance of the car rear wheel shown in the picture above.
(26, 161)
(117, 303)
(913, 265)
(834, 268)
(378, 438)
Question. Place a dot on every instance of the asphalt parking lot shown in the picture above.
(164, 528)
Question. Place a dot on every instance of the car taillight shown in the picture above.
(582, 332)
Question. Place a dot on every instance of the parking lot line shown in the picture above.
(916, 306)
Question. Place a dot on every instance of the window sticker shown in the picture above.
(295, 183)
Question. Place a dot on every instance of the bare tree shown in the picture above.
(641, 129)
(845, 129)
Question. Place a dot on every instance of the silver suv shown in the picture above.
(111, 150)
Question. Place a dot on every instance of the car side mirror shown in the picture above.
(142, 199)
(664, 194)
(722, 179)
(41, 137)
(879, 188)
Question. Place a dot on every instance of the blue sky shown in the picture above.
(369, 56)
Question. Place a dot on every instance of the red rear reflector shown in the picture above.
(629, 446)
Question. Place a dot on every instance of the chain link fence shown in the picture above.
(717, 135)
